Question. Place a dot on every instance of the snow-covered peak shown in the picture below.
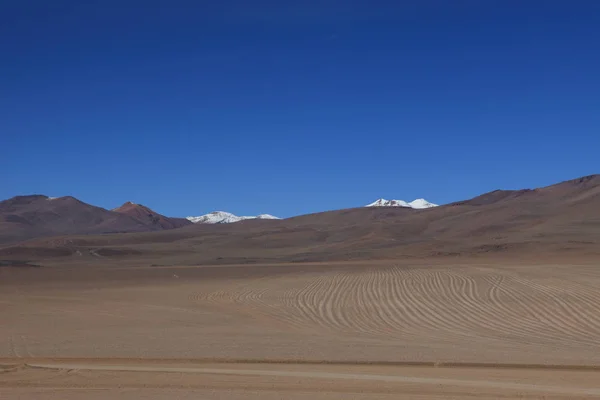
(421, 203)
(216, 217)
(266, 216)
(388, 203)
(222, 217)
(417, 204)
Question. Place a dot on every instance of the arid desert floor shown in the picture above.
(380, 330)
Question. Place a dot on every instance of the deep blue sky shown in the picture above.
(290, 107)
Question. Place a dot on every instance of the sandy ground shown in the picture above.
(387, 331)
(93, 378)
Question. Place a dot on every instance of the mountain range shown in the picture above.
(223, 217)
(31, 216)
(560, 220)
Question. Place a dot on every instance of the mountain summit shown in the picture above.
(417, 204)
(222, 217)
(26, 217)
(150, 217)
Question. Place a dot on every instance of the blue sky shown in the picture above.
(288, 107)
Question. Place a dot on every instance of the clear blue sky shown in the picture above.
(290, 107)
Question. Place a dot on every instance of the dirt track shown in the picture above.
(240, 380)
(473, 316)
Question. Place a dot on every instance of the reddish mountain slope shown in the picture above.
(27, 217)
(150, 217)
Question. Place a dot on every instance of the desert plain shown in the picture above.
(426, 329)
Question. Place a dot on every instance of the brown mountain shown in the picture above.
(150, 217)
(27, 217)
(561, 220)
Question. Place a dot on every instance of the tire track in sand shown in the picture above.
(441, 305)
(316, 375)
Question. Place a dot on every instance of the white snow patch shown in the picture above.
(388, 203)
(417, 204)
(421, 203)
(223, 217)
(266, 216)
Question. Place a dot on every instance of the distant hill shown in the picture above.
(149, 217)
(27, 217)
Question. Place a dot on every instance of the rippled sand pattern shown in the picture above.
(441, 306)
(368, 331)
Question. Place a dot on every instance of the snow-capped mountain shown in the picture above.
(421, 203)
(417, 204)
(388, 203)
(222, 217)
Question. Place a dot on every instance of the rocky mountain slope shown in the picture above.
(150, 217)
(27, 217)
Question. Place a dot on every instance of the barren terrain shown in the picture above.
(557, 221)
(368, 330)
